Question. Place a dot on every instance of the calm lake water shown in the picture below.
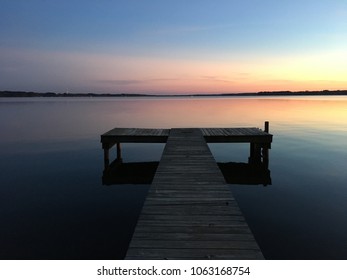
(53, 204)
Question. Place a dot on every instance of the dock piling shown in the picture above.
(266, 127)
(106, 157)
(265, 149)
(119, 152)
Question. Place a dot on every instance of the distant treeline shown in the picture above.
(285, 93)
(262, 93)
(53, 94)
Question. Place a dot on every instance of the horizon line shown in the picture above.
(6, 93)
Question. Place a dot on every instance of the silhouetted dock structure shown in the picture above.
(189, 212)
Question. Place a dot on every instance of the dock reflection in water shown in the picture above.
(143, 173)
(129, 173)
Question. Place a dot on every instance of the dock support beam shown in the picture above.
(106, 158)
(259, 152)
(106, 147)
(119, 152)
(254, 153)
(265, 149)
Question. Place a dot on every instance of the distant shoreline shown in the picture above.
(255, 94)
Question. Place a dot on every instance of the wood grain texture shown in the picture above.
(189, 212)
(211, 135)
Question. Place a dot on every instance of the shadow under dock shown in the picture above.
(143, 173)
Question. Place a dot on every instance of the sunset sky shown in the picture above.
(158, 46)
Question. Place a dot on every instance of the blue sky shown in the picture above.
(172, 46)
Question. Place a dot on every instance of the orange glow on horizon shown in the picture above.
(227, 112)
(130, 74)
(154, 75)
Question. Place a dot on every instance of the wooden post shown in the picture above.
(119, 152)
(265, 154)
(265, 148)
(106, 158)
(255, 153)
(251, 152)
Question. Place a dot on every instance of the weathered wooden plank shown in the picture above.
(195, 237)
(193, 230)
(202, 253)
(241, 135)
(194, 244)
(188, 187)
(183, 210)
(135, 135)
(190, 220)
(197, 196)
(190, 217)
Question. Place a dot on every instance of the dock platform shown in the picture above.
(189, 211)
(260, 140)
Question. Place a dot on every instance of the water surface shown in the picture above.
(53, 204)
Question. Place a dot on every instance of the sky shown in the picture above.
(173, 47)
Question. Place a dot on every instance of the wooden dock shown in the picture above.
(260, 140)
(189, 212)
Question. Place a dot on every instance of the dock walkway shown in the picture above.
(189, 212)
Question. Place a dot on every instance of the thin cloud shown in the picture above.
(216, 79)
(163, 80)
(121, 82)
(127, 82)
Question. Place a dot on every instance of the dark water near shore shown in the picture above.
(54, 206)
